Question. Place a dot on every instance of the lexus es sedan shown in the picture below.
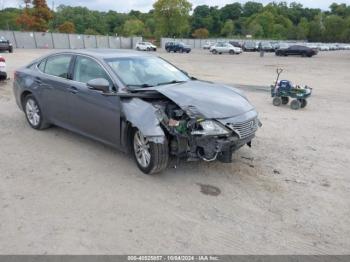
(138, 103)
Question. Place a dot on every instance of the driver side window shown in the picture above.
(86, 69)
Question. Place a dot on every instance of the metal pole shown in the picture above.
(14, 38)
(36, 45)
(53, 42)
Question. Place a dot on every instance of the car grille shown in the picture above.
(245, 129)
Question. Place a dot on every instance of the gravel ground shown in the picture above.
(61, 193)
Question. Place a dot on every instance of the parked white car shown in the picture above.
(145, 46)
(3, 74)
(207, 45)
(221, 48)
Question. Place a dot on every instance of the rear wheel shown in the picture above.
(11, 49)
(295, 104)
(277, 101)
(150, 157)
(214, 52)
(232, 52)
(33, 113)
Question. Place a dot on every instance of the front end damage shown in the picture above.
(191, 136)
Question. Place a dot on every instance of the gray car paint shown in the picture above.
(143, 116)
(211, 100)
(98, 116)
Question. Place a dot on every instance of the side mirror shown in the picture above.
(99, 84)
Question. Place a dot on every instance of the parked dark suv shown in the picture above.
(177, 47)
(296, 50)
(5, 45)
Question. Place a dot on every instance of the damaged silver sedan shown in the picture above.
(138, 103)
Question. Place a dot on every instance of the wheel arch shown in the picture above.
(23, 96)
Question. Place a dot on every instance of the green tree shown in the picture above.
(133, 27)
(302, 29)
(316, 29)
(334, 28)
(8, 18)
(227, 29)
(251, 8)
(201, 17)
(91, 31)
(172, 17)
(231, 11)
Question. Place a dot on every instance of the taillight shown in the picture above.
(2, 59)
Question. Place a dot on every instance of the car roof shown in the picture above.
(105, 53)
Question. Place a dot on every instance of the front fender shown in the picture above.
(143, 116)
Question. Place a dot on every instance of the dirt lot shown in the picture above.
(290, 194)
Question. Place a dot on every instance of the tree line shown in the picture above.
(176, 18)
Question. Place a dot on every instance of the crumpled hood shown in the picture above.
(211, 100)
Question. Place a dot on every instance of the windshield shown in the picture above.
(146, 71)
(2, 39)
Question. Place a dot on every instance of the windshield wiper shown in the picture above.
(143, 85)
(171, 82)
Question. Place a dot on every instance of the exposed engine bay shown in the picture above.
(193, 137)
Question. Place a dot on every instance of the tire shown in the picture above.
(295, 104)
(277, 101)
(168, 50)
(232, 52)
(188, 51)
(303, 103)
(285, 100)
(158, 154)
(214, 52)
(34, 114)
(11, 50)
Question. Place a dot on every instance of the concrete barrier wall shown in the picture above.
(31, 40)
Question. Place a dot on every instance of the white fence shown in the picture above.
(31, 40)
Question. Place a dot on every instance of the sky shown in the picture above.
(146, 5)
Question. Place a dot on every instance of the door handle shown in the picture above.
(73, 90)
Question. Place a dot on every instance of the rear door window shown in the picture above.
(58, 65)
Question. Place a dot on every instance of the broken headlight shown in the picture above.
(210, 128)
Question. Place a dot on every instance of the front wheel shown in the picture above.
(214, 52)
(232, 52)
(150, 157)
